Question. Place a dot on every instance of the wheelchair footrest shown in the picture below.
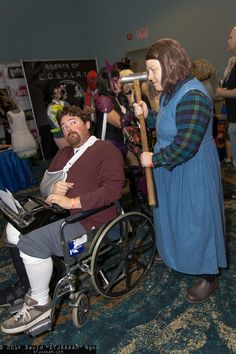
(40, 327)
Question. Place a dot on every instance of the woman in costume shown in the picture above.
(54, 109)
(116, 122)
(189, 216)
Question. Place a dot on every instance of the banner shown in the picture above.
(15, 82)
(41, 75)
(2, 85)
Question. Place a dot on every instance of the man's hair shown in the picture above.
(175, 63)
(73, 111)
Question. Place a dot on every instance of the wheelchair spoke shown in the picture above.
(127, 274)
(115, 276)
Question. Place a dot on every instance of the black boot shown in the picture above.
(14, 294)
(20, 267)
(138, 189)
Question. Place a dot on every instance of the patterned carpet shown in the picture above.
(154, 318)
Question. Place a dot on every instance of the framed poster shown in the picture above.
(6, 104)
(40, 75)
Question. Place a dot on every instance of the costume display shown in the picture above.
(127, 136)
(106, 102)
(190, 234)
(112, 133)
(91, 79)
(22, 140)
(54, 109)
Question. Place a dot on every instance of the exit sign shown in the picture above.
(142, 33)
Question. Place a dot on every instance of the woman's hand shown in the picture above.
(140, 109)
(61, 188)
(146, 159)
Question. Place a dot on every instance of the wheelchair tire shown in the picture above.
(81, 310)
(123, 254)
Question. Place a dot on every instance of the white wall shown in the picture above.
(58, 29)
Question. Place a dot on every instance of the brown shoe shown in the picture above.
(201, 291)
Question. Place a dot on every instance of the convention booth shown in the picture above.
(24, 97)
(40, 76)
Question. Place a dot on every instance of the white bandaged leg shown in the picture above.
(12, 234)
(39, 272)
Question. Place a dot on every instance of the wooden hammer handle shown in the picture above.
(148, 170)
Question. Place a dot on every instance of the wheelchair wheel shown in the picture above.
(123, 254)
(79, 312)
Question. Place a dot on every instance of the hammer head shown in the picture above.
(136, 76)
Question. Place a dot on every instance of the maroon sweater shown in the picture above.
(98, 177)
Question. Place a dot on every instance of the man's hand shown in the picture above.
(63, 201)
(61, 188)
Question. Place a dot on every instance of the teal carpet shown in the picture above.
(154, 318)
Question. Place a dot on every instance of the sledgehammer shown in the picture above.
(136, 78)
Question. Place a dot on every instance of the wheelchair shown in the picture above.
(115, 257)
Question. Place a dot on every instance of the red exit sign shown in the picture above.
(142, 33)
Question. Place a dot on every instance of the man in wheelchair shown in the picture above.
(95, 179)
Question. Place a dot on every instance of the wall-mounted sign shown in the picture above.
(129, 36)
(142, 33)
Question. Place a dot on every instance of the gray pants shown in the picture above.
(46, 241)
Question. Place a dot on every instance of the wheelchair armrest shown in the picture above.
(84, 214)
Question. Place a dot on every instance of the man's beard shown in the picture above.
(73, 139)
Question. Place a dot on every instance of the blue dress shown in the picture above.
(189, 216)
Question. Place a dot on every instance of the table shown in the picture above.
(15, 173)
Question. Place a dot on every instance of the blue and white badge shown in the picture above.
(76, 246)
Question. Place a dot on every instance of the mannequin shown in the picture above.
(54, 109)
(22, 140)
